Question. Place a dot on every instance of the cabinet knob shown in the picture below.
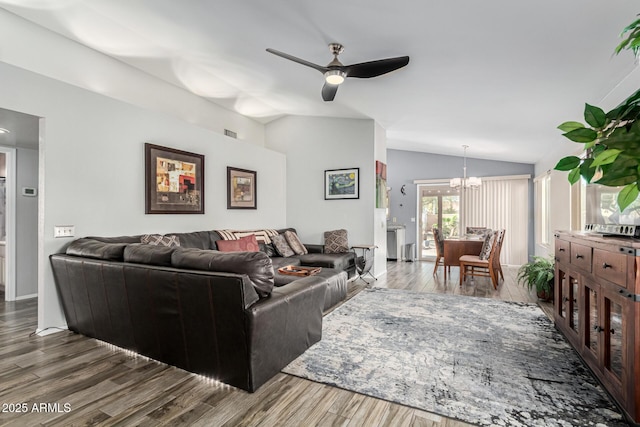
(561, 250)
(598, 328)
(613, 331)
(605, 265)
(578, 256)
(565, 299)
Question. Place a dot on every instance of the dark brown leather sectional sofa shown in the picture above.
(219, 314)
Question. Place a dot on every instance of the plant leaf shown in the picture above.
(574, 175)
(568, 163)
(606, 157)
(569, 126)
(586, 170)
(627, 195)
(594, 116)
(581, 135)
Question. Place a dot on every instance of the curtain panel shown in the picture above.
(501, 202)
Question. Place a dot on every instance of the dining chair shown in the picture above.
(439, 239)
(484, 266)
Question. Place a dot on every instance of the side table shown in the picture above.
(364, 262)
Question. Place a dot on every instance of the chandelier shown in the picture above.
(464, 182)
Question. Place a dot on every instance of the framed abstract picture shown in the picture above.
(342, 184)
(174, 181)
(241, 189)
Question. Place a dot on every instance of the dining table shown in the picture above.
(454, 248)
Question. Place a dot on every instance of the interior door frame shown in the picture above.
(10, 213)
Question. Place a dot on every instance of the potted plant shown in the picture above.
(538, 274)
(611, 140)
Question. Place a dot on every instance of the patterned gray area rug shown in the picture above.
(482, 361)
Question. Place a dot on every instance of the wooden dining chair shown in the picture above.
(439, 239)
(476, 265)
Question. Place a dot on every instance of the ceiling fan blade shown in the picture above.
(298, 60)
(329, 91)
(369, 69)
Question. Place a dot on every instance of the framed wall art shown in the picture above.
(342, 184)
(241, 189)
(174, 181)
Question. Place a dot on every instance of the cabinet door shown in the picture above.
(567, 304)
(591, 344)
(614, 331)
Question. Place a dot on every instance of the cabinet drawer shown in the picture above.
(610, 266)
(562, 251)
(581, 256)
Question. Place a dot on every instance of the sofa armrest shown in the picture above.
(314, 249)
(283, 326)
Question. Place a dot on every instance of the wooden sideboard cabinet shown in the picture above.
(597, 307)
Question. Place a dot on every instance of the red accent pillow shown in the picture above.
(243, 244)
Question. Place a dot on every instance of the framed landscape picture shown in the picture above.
(342, 184)
(174, 181)
(241, 189)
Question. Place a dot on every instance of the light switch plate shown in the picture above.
(64, 231)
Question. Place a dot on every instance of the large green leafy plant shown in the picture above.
(611, 140)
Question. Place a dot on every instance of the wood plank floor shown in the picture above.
(69, 380)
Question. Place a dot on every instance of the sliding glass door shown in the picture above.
(438, 206)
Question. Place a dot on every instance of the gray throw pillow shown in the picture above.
(294, 242)
(282, 247)
(169, 240)
(336, 242)
(487, 245)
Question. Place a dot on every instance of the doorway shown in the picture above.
(19, 145)
(438, 206)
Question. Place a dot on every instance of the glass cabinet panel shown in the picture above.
(614, 325)
(593, 327)
(573, 302)
(562, 286)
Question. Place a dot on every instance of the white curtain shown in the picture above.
(501, 202)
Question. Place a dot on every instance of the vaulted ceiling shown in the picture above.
(497, 75)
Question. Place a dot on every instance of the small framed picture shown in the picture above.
(342, 184)
(241, 189)
(174, 181)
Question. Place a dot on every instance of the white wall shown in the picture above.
(29, 46)
(92, 170)
(560, 189)
(26, 224)
(380, 215)
(314, 145)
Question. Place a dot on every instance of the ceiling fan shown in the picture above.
(335, 73)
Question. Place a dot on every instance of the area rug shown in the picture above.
(482, 361)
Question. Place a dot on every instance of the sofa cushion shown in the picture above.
(338, 261)
(140, 253)
(279, 261)
(197, 239)
(268, 249)
(282, 246)
(256, 265)
(243, 244)
(169, 240)
(95, 249)
(336, 241)
(294, 242)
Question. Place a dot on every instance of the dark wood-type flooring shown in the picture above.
(82, 381)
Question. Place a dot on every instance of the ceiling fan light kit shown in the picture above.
(335, 72)
(334, 77)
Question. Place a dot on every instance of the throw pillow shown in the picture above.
(487, 245)
(243, 244)
(160, 240)
(282, 247)
(336, 242)
(294, 242)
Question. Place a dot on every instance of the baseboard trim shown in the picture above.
(26, 297)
